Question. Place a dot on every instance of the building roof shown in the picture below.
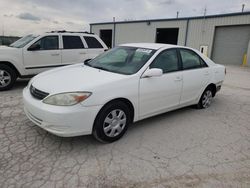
(176, 19)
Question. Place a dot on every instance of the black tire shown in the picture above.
(206, 98)
(106, 112)
(8, 71)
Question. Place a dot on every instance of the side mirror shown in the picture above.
(154, 72)
(34, 47)
(87, 60)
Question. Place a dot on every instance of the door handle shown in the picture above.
(206, 73)
(178, 78)
(83, 53)
(55, 54)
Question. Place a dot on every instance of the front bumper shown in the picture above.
(65, 121)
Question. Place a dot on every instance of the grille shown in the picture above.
(38, 94)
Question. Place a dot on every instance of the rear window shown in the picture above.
(190, 60)
(92, 42)
(72, 42)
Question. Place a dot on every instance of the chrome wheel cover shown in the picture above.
(5, 78)
(114, 123)
(207, 99)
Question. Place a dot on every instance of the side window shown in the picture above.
(72, 42)
(47, 43)
(92, 42)
(191, 60)
(167, 61)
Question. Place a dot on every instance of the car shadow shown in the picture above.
(135, 128)
(21, 83)
(161, 117)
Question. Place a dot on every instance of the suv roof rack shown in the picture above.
(64, 31)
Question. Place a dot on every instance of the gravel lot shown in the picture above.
(184, 148)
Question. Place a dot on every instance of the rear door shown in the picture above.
(196, 75)
(158, 94)
(73, 50)
(46, 54)
(95, 47)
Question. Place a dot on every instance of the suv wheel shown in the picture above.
(7, 77)
(112, 122)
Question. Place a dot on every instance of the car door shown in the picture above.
(196, 75)
(42, 54)
(95, 48)
(159, 94)
(73, 50)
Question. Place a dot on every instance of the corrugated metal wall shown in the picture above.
(96, 29)
(200, 31)
(142, 32)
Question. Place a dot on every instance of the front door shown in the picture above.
(159, 94)
(42, 55)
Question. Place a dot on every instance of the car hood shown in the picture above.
(73, 78)
(6, 48)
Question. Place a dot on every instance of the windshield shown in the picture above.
(124, 60)
(23, 41)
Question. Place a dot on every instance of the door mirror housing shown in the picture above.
(154, 72)
(34, 47)
(87, 60)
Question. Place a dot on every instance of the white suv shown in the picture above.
(33, 54)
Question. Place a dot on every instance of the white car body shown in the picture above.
(25, 62)
(146, 94)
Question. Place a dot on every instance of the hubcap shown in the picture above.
(207, 99)
(4, 78)
(114, 123)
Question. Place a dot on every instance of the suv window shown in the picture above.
(190, 60)
(167, 61)
(72, 42)
(48, 43)
(92, 42)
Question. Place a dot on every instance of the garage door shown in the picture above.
(230, 44)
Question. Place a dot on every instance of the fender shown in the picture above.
(14, 57)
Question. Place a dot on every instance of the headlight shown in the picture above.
(66, 99)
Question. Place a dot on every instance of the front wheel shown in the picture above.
(112, 122)
(7, 77)
(206, 99)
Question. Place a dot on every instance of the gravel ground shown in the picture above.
(184, 148)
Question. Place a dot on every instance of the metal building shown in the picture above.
(225, 38)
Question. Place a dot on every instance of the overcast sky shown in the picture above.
(20, 17)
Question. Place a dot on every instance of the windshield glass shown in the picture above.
(124, 60)
(23, 41)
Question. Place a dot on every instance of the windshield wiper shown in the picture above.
(101, 68)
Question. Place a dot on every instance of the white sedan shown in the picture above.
(121, 86)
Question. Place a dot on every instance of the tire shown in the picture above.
(112, 122)
(8, 77)
(206, 99)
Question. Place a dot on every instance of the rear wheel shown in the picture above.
(7, 77)
(206, 99)
(112, 122)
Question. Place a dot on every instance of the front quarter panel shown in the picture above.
(15, 57)
(126, 88)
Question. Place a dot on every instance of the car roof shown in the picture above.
(155, 46)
